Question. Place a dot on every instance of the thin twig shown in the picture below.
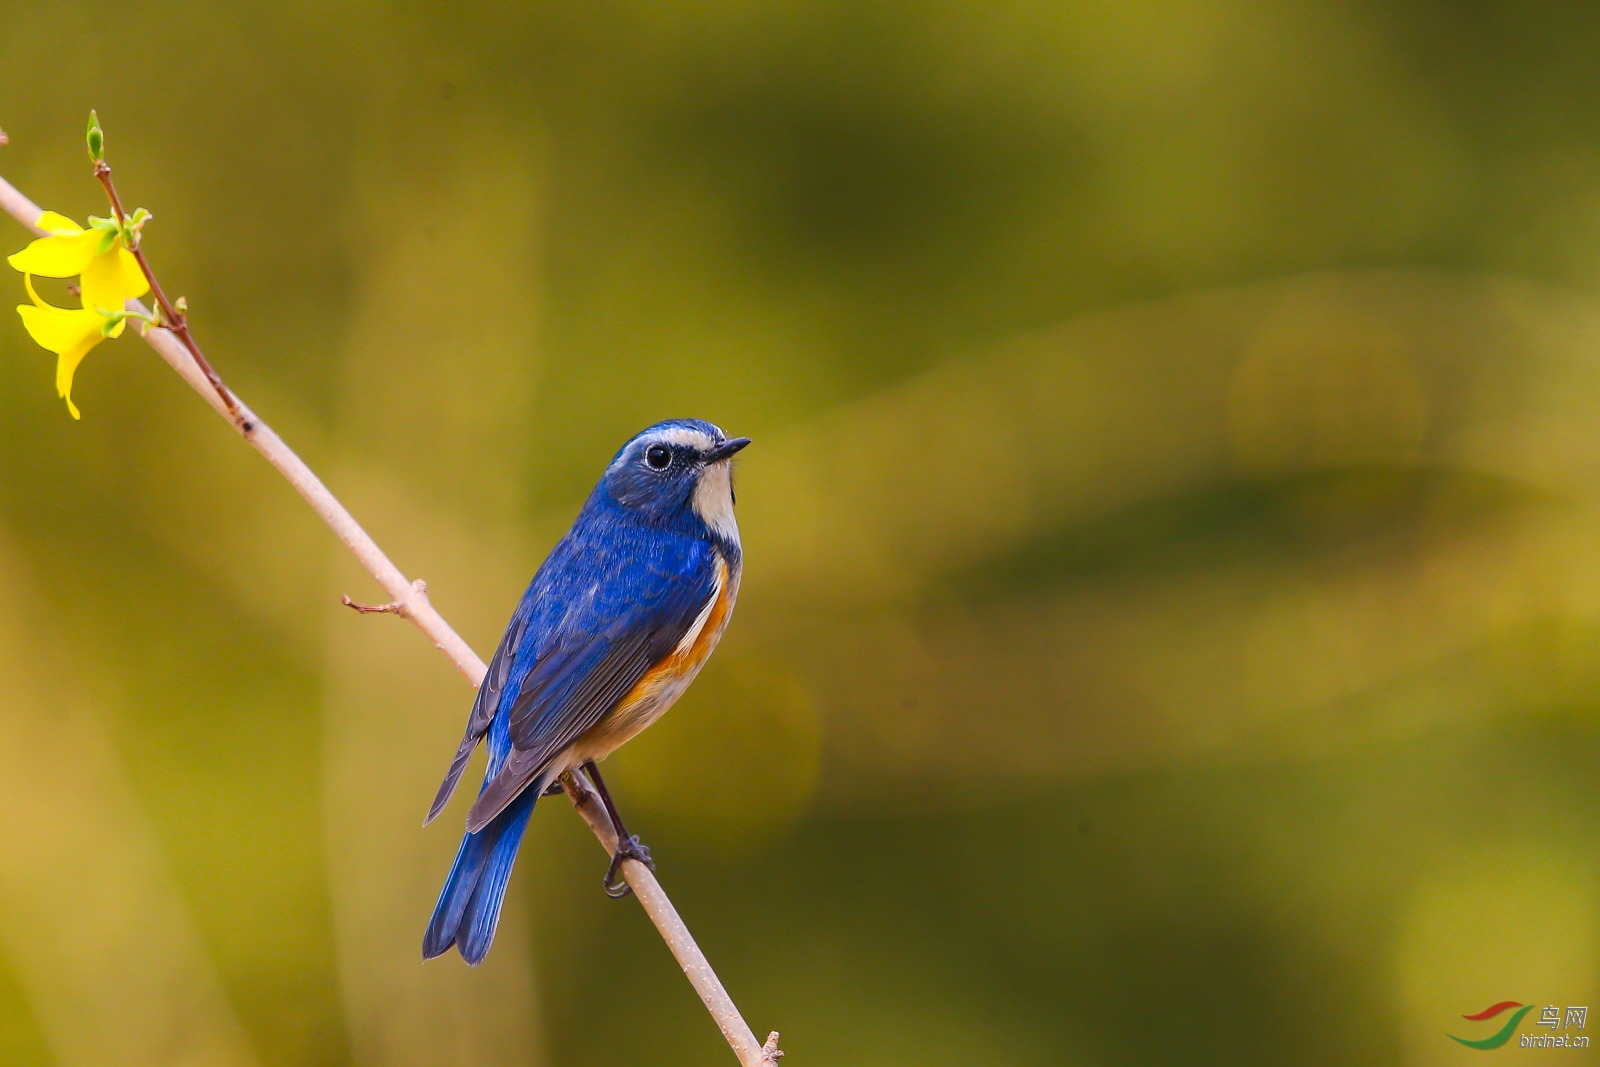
(394, 607)
(410, 601)
(391, 608)
(171, 317)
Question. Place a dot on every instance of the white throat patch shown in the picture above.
(713, 500)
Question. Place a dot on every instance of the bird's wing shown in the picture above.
(483, 707)
(602, 653)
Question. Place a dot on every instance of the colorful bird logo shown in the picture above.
(1501, 1036)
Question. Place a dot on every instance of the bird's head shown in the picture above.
(676, 470)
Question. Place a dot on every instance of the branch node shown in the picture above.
(770, 1052)
(577, 791)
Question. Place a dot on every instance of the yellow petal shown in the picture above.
(110, 279)
(59, 225)
(59, 330)
(57, 257)
(66, 367)
(70, 334)
(134, 283)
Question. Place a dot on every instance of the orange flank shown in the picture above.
(665, 682)
(681, 659)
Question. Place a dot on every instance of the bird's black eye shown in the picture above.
(658, 457)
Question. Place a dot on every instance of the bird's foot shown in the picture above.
(627, 849)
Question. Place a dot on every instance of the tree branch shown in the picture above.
(410, 601)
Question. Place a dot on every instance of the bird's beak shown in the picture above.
(726, 449)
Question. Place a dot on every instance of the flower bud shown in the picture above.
(96, 138)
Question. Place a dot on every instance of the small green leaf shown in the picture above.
(133, 226)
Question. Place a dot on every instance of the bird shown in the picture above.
(614, 626)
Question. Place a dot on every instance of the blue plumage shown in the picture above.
(613, 627)
(469, 905)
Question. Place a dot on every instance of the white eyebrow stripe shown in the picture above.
(672, 435)
(683, 435)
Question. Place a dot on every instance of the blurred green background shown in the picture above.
(1171, 628)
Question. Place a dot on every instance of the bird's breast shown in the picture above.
(664, 683)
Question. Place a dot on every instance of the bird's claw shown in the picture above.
(627, 849)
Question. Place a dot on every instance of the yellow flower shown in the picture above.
(108, 275)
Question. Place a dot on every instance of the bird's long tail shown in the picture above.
(469, 905)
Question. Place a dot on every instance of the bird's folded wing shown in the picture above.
(483, 709)
(572, 687)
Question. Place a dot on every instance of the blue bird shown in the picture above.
(614, 626)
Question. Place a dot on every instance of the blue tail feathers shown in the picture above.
(469, 905)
